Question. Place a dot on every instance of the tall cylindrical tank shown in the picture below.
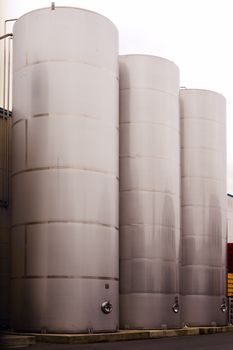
(149, 192)
(65, 172)
(230, 218)
(203, 159)
(4, 223)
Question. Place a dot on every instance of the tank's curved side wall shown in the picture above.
(65, 172)
(4, 224)
(149, 192)
(203, 150)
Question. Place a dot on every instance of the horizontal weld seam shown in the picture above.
(150, 157)
(151, 89)
(176, 131)
(63, 222)
(184, 118)
(170, 193)
(176, 228)
(62, 168)
(201, 177)
(66, 61)
(66, 277)
(57, 114)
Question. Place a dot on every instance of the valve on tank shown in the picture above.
(106, 307)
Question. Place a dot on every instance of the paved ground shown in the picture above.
(201, 342)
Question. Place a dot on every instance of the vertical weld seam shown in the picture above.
(25, 251)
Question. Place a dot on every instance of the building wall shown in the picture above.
(229, 218)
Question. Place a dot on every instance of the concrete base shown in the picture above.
(16, 341)
(125, 335)
(213, 330)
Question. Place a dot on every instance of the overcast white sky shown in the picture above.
(196, 34)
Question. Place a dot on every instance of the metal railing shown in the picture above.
(5, 114)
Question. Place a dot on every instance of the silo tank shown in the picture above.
(65, 172)
(149, 192)
(203, 150)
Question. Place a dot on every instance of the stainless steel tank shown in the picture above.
(4, 225)
(230, 218)
(4, 267)
(65, 172)
(149, 192)
(203, 158)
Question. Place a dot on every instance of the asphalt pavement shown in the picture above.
(222, 341)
